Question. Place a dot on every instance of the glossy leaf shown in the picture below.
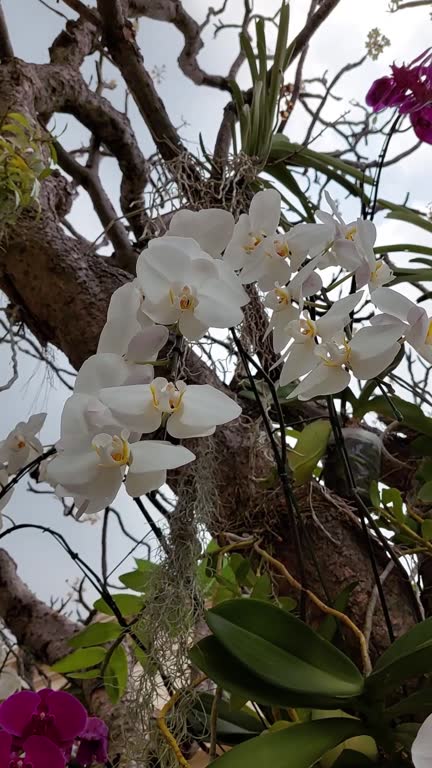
(226, 670)
(420, 701)
(81, 659)
(282, 650)
(310, 448)
(413, 415)
(425, 493)
(297, 747)
(409, 656)
(128, 605)
(139, 580)
(116, 674)
(96, 634)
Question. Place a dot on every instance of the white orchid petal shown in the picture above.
(204, 406)
(300, 359)
(132, 406)
(373, 349)
(146, 344)
(338, 315)
(264, 211)
(211, 228)
(421, 750)
(392, 303)
(140, 483)
(323, 380)
(155, 455)
(235, 255)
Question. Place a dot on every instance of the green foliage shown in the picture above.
(297, 746)
(283, 656)
(257, 118)
(25, 155)
(128, 605)
(232, 727)
(116, 674)
(79, 660)
(309, 449)
(96, 634)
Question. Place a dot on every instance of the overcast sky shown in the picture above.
(33, 28)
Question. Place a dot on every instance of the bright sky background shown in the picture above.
(32, 28)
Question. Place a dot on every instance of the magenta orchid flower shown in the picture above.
(409, 88)
(93, 746)
(54, 714)
(35, 752)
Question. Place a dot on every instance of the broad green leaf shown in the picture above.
(286, 603)
(420, 701)
(96, 634)
(90, 674)
(282, 650)
(297, 747)
(262, 589)
(116, 674)
(138, 580)
(81, 659)
(421, 446)
(310, 448)
(350, 758)
(233, 727)
(413, 415)
(128, 605)
(223, 668)
(427, 528)
(392, 497)
(425, 493)
(409, 656)
(146, 565)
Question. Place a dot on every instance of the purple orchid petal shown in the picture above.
(5, 749)
(379, 92)
(422, 123)
(93, 746)
(16, 711)
(70, 715)
(40, 752)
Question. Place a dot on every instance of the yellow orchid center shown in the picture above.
(19, 442)
(184, 300)
(167, 398)
(114, 451)
(254, 241)
(350, 233)
(428, 339)
(282, 296)
(336, 357)
(282, 250)
(307, 327)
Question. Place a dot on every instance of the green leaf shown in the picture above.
(425, 493)
(421, 446)
(282, 650)
(409, 656)
(262, 589)
(90, 674)
(329, 625)
(413, 415)
(286, 603)
(420, 701)
(297, 747)
(139, 580)
(410, 217)
(81, 659)
(309, 449)
(392, 497)
(233, 727)
(350, 758)
(116, 674)
(427, 529)
(96, 634)
(128, 605)
(405, 248)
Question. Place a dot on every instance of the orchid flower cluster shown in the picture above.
(48, 729)
(193, 279)
(409, 88)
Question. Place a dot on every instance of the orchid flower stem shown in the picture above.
(280, 455)
(342, 617)
(154, 527)
(213, 724)
(382, 158)
(339, 282)
(396, 412)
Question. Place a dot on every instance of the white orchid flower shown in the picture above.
(421, 750)
(5, 499)
(348, 239)
(372, 272)
(251, 229)
(191, 410)
(92, 469)
(366, 355)
(21, 445)
(212, 228)
(107, 369)
(277, 256)
(184, 285)
(300, 357)
(413, 321)
(280, 301)
(125, 319)
(10, 681)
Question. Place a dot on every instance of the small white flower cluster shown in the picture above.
(19, 448)
(190, 280)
